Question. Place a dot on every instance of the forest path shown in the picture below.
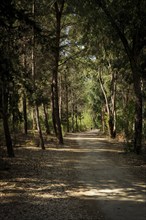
(107, 181)
(86, 179)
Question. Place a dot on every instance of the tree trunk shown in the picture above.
(138, 111)
(106, 103)
(24, 100)
(66, 102)
(46, 119)
(113, 106)
(111, 127)
(34, 80)
(34, 124)
(76, 118)
(73, 115)
(56, 116)
(25, 114)
(132, 55)
(103, 118)
(55, 94)
(39, 128)
(53, 110)
(8, 139)
(60, 97)
(67, 114)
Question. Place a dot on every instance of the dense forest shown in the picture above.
(68, 66)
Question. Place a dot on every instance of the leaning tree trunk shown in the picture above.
(8, 139)
(110, 110)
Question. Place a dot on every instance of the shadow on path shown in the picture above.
(86, 179)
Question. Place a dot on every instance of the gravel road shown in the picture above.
(89, 178)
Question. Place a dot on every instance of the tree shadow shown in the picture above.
(77, 181)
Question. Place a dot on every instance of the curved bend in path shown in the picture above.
(104, 182)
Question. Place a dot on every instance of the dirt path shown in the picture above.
(87, 179)
(109, 181)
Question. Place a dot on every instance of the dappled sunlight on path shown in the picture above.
(86, 179)
(104, 178)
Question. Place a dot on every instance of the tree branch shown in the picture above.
(102, 5)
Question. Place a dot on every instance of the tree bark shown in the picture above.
(39, 128)
(73, 114)
(55, 94)
(25, 114)
(36, 108)
(109, 112)
(24, 100)
(76, 118)
(113, 105)
(55, 105)
(103, 118)
(67, 111)
(53, 110)
(138, 110)
(46, 119)
(8, 138)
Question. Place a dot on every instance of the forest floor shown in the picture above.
(89, 178)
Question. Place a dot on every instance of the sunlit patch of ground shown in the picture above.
(66, 182)
(119, 194)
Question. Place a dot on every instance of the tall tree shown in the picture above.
(58, 7)
(34, 81)
(129, 24)
(7, 17)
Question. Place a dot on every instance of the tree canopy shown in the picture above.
(72, 65)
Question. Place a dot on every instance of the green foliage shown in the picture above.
(87, 121)
(89, 47)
